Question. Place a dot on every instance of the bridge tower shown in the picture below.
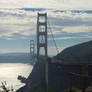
(42, 40)
(32, 49)
(41, 34)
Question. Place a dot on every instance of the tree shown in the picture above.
(4, 88)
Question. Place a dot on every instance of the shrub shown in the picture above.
(4, 88)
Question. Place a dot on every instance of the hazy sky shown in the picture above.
(57, 4)
(18, 23)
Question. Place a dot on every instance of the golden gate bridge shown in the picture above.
(42, 44)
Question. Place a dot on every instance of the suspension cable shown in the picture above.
(53, 38)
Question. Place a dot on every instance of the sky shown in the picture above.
(70, 21)
(56, 4)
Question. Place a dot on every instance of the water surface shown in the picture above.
(10, 71)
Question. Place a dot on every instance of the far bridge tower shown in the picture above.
(32, 50)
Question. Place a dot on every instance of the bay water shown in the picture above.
(10, 71)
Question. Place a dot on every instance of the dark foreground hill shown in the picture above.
(36, 80)
(80, 52)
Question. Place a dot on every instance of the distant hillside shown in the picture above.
(15, 58)
(80, 52)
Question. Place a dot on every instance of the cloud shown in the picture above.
(62, 38)
(54, 32)
(23, 21)
(12, 23)
(9, 31)
(59, 4)
(32, 3)
(70, 38)
(77, 29)
(70, 18)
